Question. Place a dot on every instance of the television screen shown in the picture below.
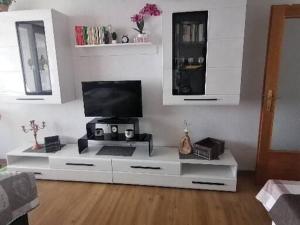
(120, 99)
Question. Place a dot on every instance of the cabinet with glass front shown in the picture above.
(203, 52)
(37, 66)
(189, 53)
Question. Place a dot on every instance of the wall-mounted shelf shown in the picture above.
(114, 45)
(146, 48)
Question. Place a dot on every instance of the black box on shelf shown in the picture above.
(209, 148)
(52, 144)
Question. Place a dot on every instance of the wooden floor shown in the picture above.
(66, 203)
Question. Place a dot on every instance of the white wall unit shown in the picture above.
(225, 53)
(225, 40)
(217, 81)
(58, 50)
(9, 59)
(237, 125)
(8, 37)
(163, 168)
(230, 15)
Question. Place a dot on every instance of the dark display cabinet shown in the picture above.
(189, 53)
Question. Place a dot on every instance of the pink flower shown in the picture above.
(150, 10)
(137, 18)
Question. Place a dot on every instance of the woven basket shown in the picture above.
(3, 8)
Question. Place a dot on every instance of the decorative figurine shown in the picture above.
(34, 128)
(105, 35)
(185, 147)
(114, 38)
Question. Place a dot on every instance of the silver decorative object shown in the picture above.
(34, 128)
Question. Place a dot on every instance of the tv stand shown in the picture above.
(91, 126)
(90, 135)
(164, 168)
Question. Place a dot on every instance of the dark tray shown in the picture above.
(43, 150)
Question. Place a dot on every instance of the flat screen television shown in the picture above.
(114, 99)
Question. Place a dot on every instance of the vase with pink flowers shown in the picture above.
(147, 11)
(4, 5)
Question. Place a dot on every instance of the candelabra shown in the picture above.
(34, 128)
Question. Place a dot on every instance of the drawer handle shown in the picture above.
(79, 164)
(37, 173)
(29, 99)
(201, 99)
(146, 167)
(208, 183)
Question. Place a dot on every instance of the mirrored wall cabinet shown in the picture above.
(35, 57)
(203, 52)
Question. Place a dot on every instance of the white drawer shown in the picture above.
(71, 175)
(38, 172)
(172, 181)
(146, 166)
(87, 176)
(207, 183)
(80, 164)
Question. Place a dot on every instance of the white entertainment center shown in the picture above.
(163, 168)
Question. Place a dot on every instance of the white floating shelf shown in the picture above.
(146, 48)
(224, 159)
(114, 45)
(208, 171)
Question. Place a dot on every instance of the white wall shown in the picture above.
(238, 125)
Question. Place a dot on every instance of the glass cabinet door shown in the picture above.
(189, 52)
(34, 57)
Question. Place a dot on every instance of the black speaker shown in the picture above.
(114, 131)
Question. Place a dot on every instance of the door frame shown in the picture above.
(274, 164)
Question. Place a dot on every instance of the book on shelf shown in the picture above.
(186, 34)
(79, 35)
(192, 32)
(201, 32)
(89, 35)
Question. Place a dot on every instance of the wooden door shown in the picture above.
(279, 137)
